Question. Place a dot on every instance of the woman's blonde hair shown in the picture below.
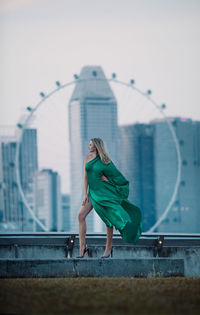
(101, 150)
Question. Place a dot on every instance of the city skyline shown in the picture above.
(153, 42)
(144, 153)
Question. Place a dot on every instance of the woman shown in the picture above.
(108, 193)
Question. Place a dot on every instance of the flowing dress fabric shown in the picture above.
(109, 199)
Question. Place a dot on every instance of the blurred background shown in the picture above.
(151, 44)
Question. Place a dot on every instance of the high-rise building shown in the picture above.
(184, 215)
(150, 162)
(137, 164)
(11, 205)
(92, 113)
(28, 158)
(47, 192)
(10, 201)
(65, 212)
(28, 165)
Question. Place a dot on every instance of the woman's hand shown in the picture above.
(85, 199)
(105, 178)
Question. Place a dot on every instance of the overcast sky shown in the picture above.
(155, 42)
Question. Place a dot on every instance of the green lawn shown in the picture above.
(171, 295)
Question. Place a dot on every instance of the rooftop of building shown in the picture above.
(92, 84)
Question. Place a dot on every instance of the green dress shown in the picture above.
(109, 199)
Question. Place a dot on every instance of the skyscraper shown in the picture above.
(136, 143)
(184, 215)
(47, 192)
(11, 202)
(92, 113)
(11, 206)
(65, 212)
(28, 158)
(149, 161)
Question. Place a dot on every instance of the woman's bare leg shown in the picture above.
(84, 210)
(108, 240)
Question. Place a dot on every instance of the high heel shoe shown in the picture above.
(86, 250)
(107, 256)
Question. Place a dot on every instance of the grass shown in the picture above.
(171, 295)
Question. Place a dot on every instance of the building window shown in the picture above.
(184, 162)
(40, 198)
(166, 220)
(176, 203)
(182, 183)
(181, 142)
(14, 184)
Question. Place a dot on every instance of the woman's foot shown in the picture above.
(83, 250)
(107, 253)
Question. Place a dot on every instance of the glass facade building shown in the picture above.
(136, 143)
(150, 162)
(11, 206)
(92, 113)
(184, 215)
(65, 213)
(47, 192)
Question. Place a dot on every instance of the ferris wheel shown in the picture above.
(130, 86)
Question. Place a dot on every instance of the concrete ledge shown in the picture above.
(91, 267)
(60, 239)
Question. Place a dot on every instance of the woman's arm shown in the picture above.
(117, 178)
(104, 178)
